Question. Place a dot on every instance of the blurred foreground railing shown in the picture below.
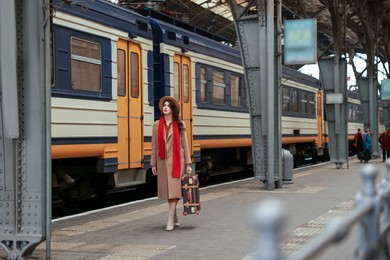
(371, 213)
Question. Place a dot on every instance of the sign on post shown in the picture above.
(334, 98)
(385, 91)
(300, 41)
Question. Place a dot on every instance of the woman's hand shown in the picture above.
(188, 168)
(154, 170)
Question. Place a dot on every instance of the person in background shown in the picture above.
(367, 145)
(384, 140)
(358, 141)
(170, 156)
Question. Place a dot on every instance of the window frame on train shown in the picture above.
(355, 113)
(235, 100)
(85, 57)
(292, 102)
(219, 87)
(63, 66)
(205, 84)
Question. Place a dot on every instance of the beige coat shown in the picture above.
(169, 187)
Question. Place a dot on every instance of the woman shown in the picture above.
(367, 145)
(358, 141)
(384, 140)
(170, 155)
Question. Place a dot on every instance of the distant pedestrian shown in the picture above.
(384, 140)
(170, 156)
(358, 141)
(367, 145)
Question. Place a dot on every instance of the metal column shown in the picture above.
(255, 27)
(369, 102)
(23, 126)
(336, 84)
(374, 122)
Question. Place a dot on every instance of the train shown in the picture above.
(111, 65)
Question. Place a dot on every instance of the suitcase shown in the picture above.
(190, 191)
(364, 156)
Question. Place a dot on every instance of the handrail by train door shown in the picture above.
(320, 131)
(130, 119)
(182, 93)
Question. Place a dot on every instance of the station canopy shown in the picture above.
(366, 20)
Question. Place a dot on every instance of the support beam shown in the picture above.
(336, 112)
(256, 34)
(334, 80)
(24, 171)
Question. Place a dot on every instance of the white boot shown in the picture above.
(171, 216)
(176, 222)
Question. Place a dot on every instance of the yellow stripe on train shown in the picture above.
(111, 150)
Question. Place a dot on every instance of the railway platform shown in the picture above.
(223, 230)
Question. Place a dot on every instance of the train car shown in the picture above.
(101, 82)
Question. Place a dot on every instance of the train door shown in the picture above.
(319, 121)
(182, 93)
(130, 119)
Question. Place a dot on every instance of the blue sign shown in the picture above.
(385, 89)
(300, 41)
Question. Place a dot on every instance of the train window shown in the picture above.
(219, 88)
(298, 102)
(171, 35)
(350, 112)
(286, 99)
(295, 101)
(176, 81)
(355, 113)
(311, 104)
(359, 113)
(121, 59)
(142, 26)
(86, 65)
(186, 84)
(186, 40)
(134, 74)
(381, 119)
(203, 85)
(304, 102)
(235, 85)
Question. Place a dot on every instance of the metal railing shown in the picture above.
(371, 213)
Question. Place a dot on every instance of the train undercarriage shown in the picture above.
(306, 153)
(77, 179)
(223, 161)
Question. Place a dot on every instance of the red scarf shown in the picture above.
(176, 146)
